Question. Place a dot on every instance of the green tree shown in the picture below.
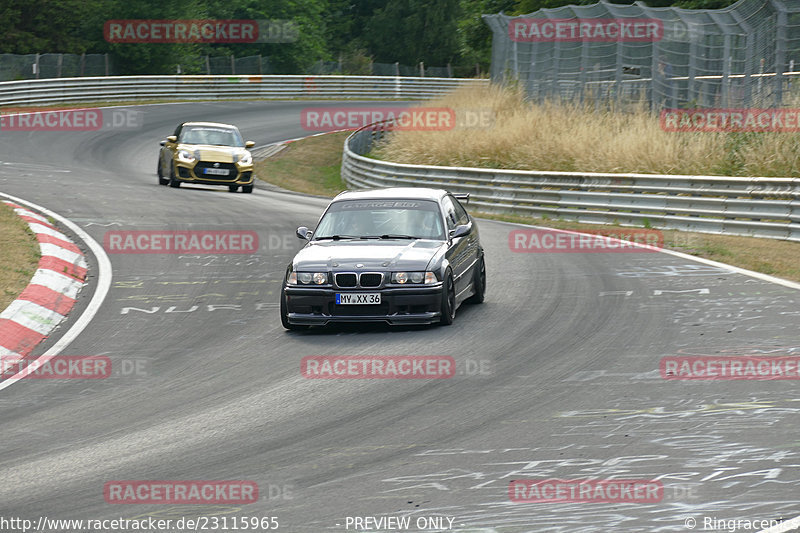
(410, 31)
(306, 16)
(45, 26)
(474, 36)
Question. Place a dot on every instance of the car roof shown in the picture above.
(210, 124)
(399, 193)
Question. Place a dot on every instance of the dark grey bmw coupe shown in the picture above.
(396, 255)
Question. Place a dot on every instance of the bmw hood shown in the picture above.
(359, 255)
(222, 154)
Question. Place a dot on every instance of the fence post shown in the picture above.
(208, 66)
(421, 69)
(397, 68)
(584, 67)
(36, 66)
(59, 63)
(749, 60)
(260, 70)
(83, 63)
(106, 62)
(780, 52)
(233, 65)
(449, 70)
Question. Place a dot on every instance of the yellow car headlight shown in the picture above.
(185, 156)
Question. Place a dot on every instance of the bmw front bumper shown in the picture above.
(312, 306)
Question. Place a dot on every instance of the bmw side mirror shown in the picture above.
(460, 231)
(162, 143)
(304, 233)
(249, 144)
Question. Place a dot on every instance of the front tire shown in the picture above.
(448, 300)
(479, 283)
(173, 181)
(233, 188)
(161, 179)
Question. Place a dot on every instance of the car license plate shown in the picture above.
(217, 171)
(358, 298)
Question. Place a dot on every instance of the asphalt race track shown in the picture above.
(557, 372)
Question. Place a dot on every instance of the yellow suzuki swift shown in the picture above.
(209, 153)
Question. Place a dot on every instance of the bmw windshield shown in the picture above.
(381, 219)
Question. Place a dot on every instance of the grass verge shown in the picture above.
(19, 255)
(312, 166)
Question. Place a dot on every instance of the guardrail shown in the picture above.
(758, 207)
(132, 88)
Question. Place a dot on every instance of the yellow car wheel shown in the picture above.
(161, 179)
(173, 181)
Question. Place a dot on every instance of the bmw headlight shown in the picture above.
(245, 159)
(405, 278)
(307, 278)
(185, 156)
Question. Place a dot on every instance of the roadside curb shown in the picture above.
(49, 296)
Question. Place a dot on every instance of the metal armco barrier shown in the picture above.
(132, 88)
(758, 207)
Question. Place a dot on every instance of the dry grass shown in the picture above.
(575, 138)
(19, 255)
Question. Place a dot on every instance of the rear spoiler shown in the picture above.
(462, 196)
